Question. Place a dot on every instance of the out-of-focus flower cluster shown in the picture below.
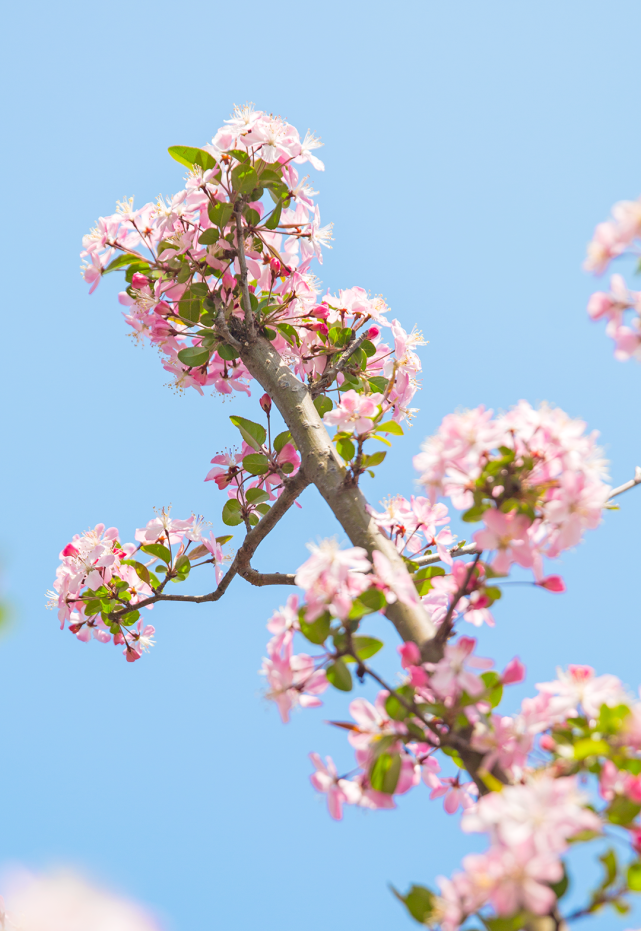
(64, 901)
(534, 477)
(621, 307)
(98, 581)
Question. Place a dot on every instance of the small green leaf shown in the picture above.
(194, 356)
(384, 773)
(622, 811)
(590, 747)
(369, 601)
(120, 262)
(282, 439)
(256, 464)
(141, 570)
(190, 304)
(256, 495)
(288, 331)
(157, 550)
(244, 178)
(339, 676)
(220, 213)
(634, 877)
(366, 647)
(419, 902)
(253, 433)
(475, 513)
(228, 353)
(315, 631)
(252, 216)
(209, 237)
(231, 513)
(225, 538)
(182, 568)
(274, 219)
(346, 449)
(389, 426)
(323, 404)
(493, 683)
(609, 861)
(395, 708)
(189, 156)
(374, 459)
(378, 383)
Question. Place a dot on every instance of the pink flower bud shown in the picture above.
(320, 327)
(321, 311)
(276, 267)
(373, 332)
(131, 654)
(513, 672)
(266, 403)
(138, 280)
(410, 654)
(632, 787)
(70, 550)
(548, 743)
(553, 583)
(418, 677)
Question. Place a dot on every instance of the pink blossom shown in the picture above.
(507, 534)
(339, 791)
(293, 680)
(579, 686)
(449, 677)
(455, 794)
(355, 412)
(332, 578)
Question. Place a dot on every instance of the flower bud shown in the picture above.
(553, 583)
(513, 672)
(373, 332)
(320, 327)
(321, 311)
(410, 654)
(276, 267)
(139, 281)
(70, 550)
(266, 403)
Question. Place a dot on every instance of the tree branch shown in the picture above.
(325, 469)
(249, 316)
(627, 485)
(330, 374)
(470, 549)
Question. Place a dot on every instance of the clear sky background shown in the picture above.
(470, 149)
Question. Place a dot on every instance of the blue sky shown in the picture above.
(470, 149)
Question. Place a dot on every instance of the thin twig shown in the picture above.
(470, 549)
(330, 374)
(627, 485)
(249, 316)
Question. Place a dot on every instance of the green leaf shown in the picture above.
(368, 348)
(396, 709)
(389, 426)
(264, 508)
(378, 383)
(252, 216)
(365, 647)
(634, 877)
(339, 676)
(559, 889)
(220, 213)
(274, 220)
(244, 178)
(345, 448)
(429, 572)
(189, 305)
(315, 631)
(209, 237)
(256, 495)
(609, 861)
(281, 440)
(256, 464)
(475, 513)
(129, 618)
(369, 601)
(189, 156)
(493, 682)
(622, 811)
(419, 902)
(590, 747)
(513, 923)
(231, 513)
(384, 773)
(157, 550)
(225, 538)
(288, 332)
(141, 570)
(182, 567)
(375, 459)
(194, 356)
(252, 433)
(120, 262)
(323, 404)
(227, 352)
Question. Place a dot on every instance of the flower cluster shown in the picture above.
(100, 586)
(618, 236)
(534, 477)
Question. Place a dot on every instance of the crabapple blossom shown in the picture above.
(356, 412)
